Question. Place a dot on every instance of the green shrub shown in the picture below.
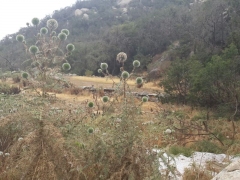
(207, 146)
(177, 150)
(7, 89)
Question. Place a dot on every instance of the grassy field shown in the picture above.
(63, 138)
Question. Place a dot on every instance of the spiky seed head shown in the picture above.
(33, 49)
(20, 38)
(145, 99)
(90, 130)
(66, 66)
(52, 24)
(25, 75)
(99, 71)
(54, 38)
(139, 80)
(121, 57)
(53, 33)
(70, 47)
(66, 31)
(90, 104)
(125, 75)
(105, 98)
(44, 30)
(136, 63)
(104, 66)
(62, 36)
(35, 21)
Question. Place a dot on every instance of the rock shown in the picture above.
(231, 172)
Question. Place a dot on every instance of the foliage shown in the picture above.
(44, 54)
(177, 150)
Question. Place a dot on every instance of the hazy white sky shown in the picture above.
(14, 14)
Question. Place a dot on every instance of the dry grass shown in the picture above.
(107, 82)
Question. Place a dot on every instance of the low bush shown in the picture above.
(7, 89)
(176, 150)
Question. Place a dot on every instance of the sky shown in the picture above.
(14, 14)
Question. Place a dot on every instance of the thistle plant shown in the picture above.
(48, 50)
(121, 58)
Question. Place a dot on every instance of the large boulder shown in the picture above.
(231, 172)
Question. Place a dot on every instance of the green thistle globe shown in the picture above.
(99, 71)
(44, 30)
(25, 75)
(136, 63)
(66, 31)
(145, 99)
(105, 98)
(33, 49)
(54, 38)
(35, 21)
(62, 36)
(66, 66)
(125, 75)
(104, 66)
(139, 80)
(53, 33)
(52, 24)
(90, 104)
(20, 38)
(90, 130)
(70, 47)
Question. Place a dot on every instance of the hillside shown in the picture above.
(139, 28)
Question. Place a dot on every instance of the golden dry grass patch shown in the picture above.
(108, 82)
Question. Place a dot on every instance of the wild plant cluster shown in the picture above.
(44, 55)
(100, 138)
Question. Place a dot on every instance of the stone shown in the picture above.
(231, 172)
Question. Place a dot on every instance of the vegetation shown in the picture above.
(191, 49)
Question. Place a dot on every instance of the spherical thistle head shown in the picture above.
(66, 66)
(99, 71)
(54, 38)
(25, 75)
(35, 21)
(139, 80)
(90, 104)
(62, 36)
(53, 33)
(104, 66)
(145, 99)
(44, 30)
(20, 38)
(33, 49)
(121, 57)
(70, 47)
(66, 31)
(90, 130)
(125, 75)
(105, 98)
(52, 24)
(136, 63)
